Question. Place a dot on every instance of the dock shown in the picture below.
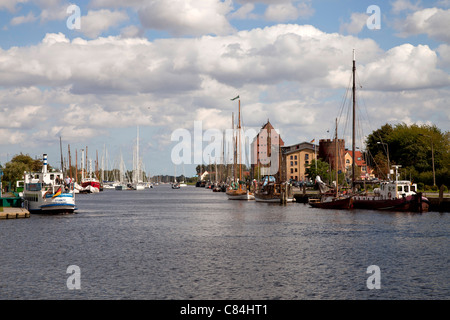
(13, 213)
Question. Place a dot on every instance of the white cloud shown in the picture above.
(357, 23)
(23, 19)
(399, 6)
(96, 22)
(406, 67)
(11, 5)
(187, 17)
(244, 12)
(288, 11)
(434, 22)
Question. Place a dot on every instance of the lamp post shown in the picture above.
(387, 152)
(432, 155)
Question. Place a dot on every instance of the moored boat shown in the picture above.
(398, 195)
(270, 191)
(48, 192)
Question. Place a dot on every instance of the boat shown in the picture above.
(392, 195)
(48, 192)
(398, 195)
(137, 183)
(270, 191)
(175, 185)
(330, 198)
(88, 184)
(238, 189)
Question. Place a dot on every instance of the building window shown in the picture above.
(306, 156)
(292, 163)
(347, 161)
(296, 170)
(295, 157)
(295, 162)
(291, 157)
(306, 162)
(292, 170)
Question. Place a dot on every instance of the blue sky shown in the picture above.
(163, 64)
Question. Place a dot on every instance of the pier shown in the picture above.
(11, 207)
(13, 213)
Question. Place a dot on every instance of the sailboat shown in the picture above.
(238, 190)
(393, 195)
(121, 185)
(333, 199)
(137, 183)
(175, 184)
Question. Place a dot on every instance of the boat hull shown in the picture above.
(414, 203)
(64, 203)
(343, 203)
(236, 195)
(271, 199)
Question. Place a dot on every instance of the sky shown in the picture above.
(95, 73)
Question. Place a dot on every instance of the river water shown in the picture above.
(191, 243)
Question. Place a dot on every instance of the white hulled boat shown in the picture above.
(47, 192)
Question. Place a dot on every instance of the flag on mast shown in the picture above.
(235, 98)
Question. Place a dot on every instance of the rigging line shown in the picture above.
(343, 104)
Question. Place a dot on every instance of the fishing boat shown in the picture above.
(270, 191)
(238, 189)
(48, 192)
(398, 195)
(392, 195)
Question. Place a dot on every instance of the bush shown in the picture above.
(420, 186)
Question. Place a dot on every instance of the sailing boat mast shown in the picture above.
(336, 162)
(240, 160)
(353, 122)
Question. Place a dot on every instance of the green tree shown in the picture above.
(413, 147)
(14, 169)
(322, 170)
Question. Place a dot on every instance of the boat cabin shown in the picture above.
(398, 189)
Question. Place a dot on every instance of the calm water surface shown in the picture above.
(191, 243)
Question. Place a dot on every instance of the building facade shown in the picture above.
(296, 159)
(328, 153)
(363, 172)
(266, 152)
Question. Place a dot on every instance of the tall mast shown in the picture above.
(353, 126)
(240, 160)
(336, 161)
(234, 148)
(70, 162)
(60, 150)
